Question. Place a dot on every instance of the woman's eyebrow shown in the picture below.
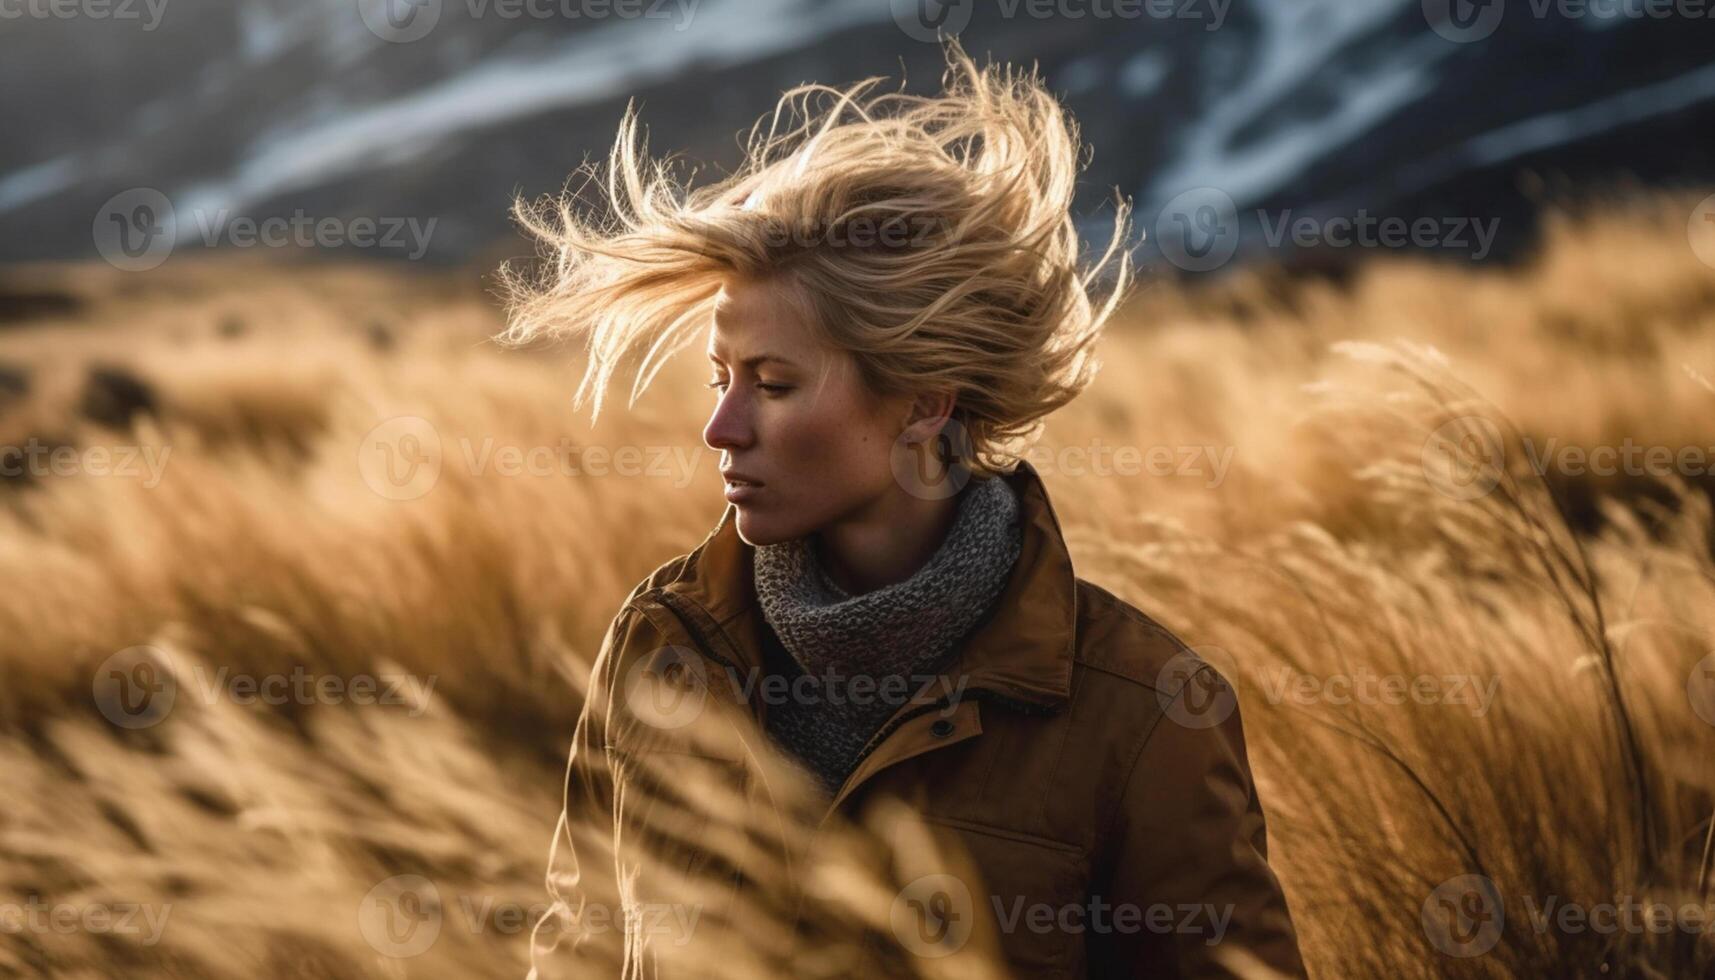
(756, 359)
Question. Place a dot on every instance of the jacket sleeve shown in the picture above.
(583, 932)
(1190, 855)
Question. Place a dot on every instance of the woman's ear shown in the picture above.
(929, 414)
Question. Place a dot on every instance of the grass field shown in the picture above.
(1459, 651)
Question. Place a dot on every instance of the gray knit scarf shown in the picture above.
(895, 636)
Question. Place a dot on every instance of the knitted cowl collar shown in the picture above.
(900, 628)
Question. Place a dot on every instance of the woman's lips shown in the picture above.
(739, 491)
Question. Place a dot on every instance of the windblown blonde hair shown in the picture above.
(930, 238)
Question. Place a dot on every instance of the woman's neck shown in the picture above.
(886, 542)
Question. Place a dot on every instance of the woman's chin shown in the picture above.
(757, 529)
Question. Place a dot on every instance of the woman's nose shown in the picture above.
(729, 427)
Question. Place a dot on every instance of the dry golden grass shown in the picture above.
(260, 838)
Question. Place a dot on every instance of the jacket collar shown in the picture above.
(1023, 650)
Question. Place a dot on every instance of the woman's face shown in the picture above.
(804, 444)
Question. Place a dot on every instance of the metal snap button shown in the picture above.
(942, 728)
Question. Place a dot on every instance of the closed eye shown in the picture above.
(772, 389)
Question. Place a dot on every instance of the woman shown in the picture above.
(890, 300)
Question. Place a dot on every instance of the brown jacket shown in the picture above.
(1089, 785)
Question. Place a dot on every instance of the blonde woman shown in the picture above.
(890, 300)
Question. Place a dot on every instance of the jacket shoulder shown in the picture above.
(631, 613)
(1117, 638)
(667, 572)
